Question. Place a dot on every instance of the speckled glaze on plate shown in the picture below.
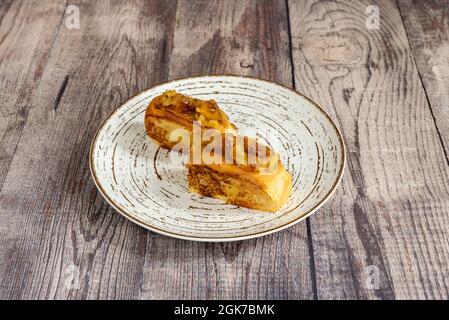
(148, 185)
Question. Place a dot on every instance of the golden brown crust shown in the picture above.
(245, 172)
(264, 185)
(245, 153)
(158, 134)
(238, 189)
(183, 111)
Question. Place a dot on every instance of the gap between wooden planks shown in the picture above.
(391, 211)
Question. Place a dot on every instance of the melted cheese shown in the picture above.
(170, 127)
(280, 187)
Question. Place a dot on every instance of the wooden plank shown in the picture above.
(392, 209)
(427, 27)
(250, 38)
(54, 225)
(27, 32)
(242, 37)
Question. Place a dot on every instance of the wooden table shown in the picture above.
(387, 88)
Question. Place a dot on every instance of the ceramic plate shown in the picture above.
(148, 185)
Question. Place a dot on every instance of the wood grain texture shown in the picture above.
(248, 38)
(53, 223)
(27, 33)
(427, 27)
(393, 207)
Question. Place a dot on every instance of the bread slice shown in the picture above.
(172, 111)
(254, 178)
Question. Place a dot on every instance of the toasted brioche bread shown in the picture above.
(245, 173)
(171, 110)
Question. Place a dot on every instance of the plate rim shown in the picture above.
(219, 239)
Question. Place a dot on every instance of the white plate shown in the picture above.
(147, 185)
